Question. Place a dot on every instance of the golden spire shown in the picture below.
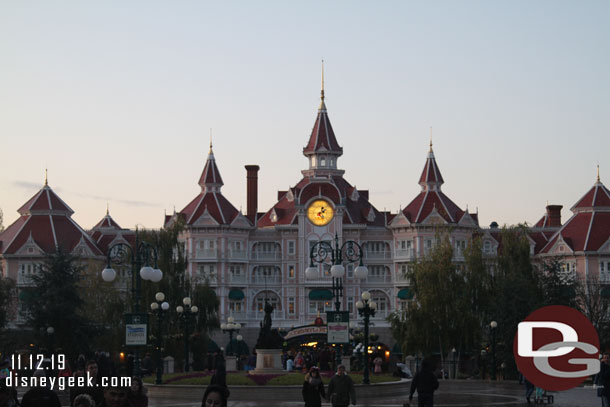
(46, 177)
(107, 209)
(210, 141)
(322, 104)
(430, 138)
(598, 173)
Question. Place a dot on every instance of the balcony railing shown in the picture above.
(206, 254)
(271, 280)
(381, 314)
(405, 254)
(401, 277)
(604, 278)
(237, 254)
(259, 315)
(379, 278)
(377, 255)
(239, 316)
(237, 278)
(24, 280)
(276, 255)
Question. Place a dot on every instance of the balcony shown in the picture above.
(239, 316)
(24, 281)
(401, 278)
(379, 279)
(259, 315)
(382, 255)
(404, 254)
(275, 255)
(270, 280)
(206, 254)
(238, 255)
(237, 279)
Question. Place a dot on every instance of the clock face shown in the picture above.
(320, 212)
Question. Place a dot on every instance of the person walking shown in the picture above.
(137, 393)
(529, 389)
(341, 389)
(313, 388)
(425, 382)
(603, 379)
(215, 396)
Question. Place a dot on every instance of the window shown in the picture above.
(291, 306)
(236, 307)
(237, 245)
(350, 304)
(291, 247)
(206, 272)
(381, 300)
(331, 162)
(320, 306)
(313, 161)
(291, 271)
(350, 270)
(487, 247)
(322, 161)
(375, 247)
(403, 244)
(403, 305)
(272, 299)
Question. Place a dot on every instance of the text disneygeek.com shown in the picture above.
(61, 383)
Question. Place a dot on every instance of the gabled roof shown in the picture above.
(322, 137)
(336, 190)
(107, 223)
(46, 220)
(598, 197)
(107, 232)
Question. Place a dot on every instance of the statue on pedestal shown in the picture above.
(268, 338)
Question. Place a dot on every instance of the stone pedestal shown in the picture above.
(231, 363)
(268, 361)
(168, 364)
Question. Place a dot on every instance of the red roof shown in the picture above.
(210, 175)
(322, 137)
(597, 197)
(107, 223)
(335, 189)
(46, 219)
(431, 175)
(45, 200)
(588, 229)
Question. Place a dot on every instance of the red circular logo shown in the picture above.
(556, 348)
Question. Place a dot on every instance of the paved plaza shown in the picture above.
(450, 393)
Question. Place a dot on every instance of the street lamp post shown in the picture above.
(185, 313)
(159, 306)
(453, 352)
(349, 251)
(366, 309)
(493, 325)
(230, 327)
(140, 256)
(50, 332)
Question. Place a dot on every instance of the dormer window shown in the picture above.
(331, 162)
(313, 161)
(322, 161)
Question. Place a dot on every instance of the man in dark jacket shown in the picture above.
(341, 389)
(425, 382)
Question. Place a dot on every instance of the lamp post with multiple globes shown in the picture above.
(366, 308)
(159, 306)
(351, 252)
(140, 257)
(186, 313)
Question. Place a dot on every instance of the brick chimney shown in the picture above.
(553, 213)
(252, 191)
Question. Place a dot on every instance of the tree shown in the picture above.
(54, 301)
(516, 291)
(1, 220)
(594, 303)
(7, 287)
(557, 287)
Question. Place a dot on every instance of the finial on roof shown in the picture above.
(210, 141)
(430, 138)
(322, 104)
(107, 209)
(46, 176)
(598, 173)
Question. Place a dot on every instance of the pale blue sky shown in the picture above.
(117, 98)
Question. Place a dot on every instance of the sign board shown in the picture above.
(338, 326)
(136, 329)
(306, 330)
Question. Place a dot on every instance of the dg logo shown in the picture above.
(556, 348)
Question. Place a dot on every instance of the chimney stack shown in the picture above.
(252, 191)
(554, 214)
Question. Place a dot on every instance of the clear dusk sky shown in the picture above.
(117, 98)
